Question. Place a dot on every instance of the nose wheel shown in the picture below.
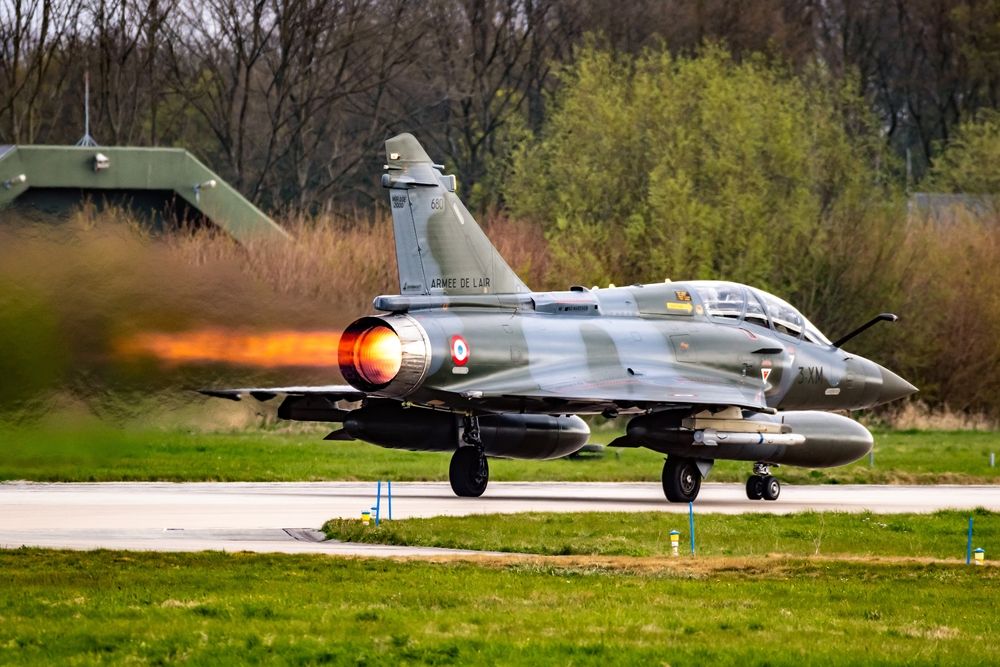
(762, 485)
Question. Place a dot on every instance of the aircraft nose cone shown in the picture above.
(893, 387)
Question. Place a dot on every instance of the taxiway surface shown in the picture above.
(283, 517)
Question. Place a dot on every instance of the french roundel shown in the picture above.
(459, 350)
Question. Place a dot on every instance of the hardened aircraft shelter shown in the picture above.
(56, 177)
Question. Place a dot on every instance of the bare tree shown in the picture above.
(120, 50)
(292, 90)
(481, 62)
(331, 68)
(34, 35)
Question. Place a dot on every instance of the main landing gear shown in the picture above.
(763, 485)
(681, 479)
(469, 472)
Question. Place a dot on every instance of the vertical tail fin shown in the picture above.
(440, 249)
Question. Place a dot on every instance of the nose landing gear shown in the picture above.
(762, 485)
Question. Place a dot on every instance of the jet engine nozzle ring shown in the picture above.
(388, 356)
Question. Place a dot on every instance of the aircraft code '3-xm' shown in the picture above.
(467, 359)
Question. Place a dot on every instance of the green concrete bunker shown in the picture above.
(56, 178)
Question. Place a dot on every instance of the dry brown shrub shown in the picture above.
(951, 302)
(770, 565)
(347, 260)
(335, 260)
(524, 246)
(917, 415)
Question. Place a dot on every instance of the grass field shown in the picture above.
(940, 535)
(212, 609)
(106, 454)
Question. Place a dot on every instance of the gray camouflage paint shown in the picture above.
(626, 349)
(586, 363)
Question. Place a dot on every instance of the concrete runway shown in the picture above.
(283, 517)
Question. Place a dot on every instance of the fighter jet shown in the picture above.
(467, 359)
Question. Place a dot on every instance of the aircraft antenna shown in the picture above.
(86, 139)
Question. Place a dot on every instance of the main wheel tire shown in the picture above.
(469, 472)
(755, 487)
(772, 488)
(681, 480)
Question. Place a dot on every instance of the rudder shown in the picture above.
(440, 248)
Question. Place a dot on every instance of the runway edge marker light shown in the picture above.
(675, 540)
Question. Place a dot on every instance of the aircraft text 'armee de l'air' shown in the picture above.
(468, 359)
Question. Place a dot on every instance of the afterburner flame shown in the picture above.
(378, 355)
(267, 349)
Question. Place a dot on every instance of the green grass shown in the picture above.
(213, 609)
(938, 535)
(94, 453)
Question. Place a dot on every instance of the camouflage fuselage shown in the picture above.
(620, 350)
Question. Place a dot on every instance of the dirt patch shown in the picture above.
(771, 565)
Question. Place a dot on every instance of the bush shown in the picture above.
(968, 163)
(699, 167)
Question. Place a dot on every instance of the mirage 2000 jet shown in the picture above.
(467, 359)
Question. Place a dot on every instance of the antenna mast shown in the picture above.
(86, 139)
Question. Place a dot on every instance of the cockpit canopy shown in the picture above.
(733, 302)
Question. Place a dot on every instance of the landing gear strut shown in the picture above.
(762, 485)
(469, 472)
(681, 480)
